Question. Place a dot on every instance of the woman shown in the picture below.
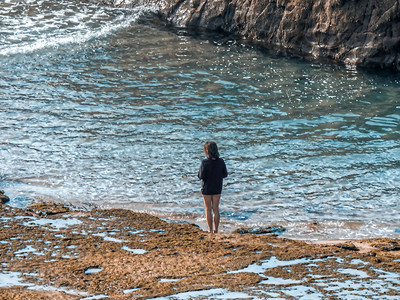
(212, 171)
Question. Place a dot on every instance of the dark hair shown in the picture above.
(211, 150)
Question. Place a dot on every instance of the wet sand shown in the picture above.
(50, 251)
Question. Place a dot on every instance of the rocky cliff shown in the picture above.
(355, 32)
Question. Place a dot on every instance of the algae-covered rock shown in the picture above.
(50, 251)
(47, 209)
(261, 230)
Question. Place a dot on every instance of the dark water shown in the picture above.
(109, 107)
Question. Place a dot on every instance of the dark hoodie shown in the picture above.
(211, 173)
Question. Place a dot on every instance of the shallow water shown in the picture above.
(109, 107)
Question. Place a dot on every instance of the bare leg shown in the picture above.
(215, 208)
(209, 215)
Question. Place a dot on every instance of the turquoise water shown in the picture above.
(109, 107)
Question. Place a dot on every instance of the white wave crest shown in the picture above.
(79, 35)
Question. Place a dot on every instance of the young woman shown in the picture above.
(212, 171)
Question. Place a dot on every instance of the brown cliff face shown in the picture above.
(355, 32)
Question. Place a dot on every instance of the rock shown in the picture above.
(392, 247)
(387, 245)
(47, 209)
(120, 254)
(348, 246)
(261, 230)
(362, 33)
(3, 198)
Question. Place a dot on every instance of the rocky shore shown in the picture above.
(50, 251)
(361, 33)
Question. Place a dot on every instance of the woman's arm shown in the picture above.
(225, 171)
(201, 171)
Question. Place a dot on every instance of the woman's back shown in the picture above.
(212, 172)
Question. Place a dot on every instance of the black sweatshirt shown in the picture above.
(211, 173)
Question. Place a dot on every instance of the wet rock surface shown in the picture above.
(3, 198)
(261, 230)
(120, 254)
(356, 32)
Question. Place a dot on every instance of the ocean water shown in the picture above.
(110, 107)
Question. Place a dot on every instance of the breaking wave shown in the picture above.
(67, 28)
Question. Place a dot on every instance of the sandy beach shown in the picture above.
(50, 251)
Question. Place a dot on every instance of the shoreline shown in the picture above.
(306, 230)
(51, 251)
